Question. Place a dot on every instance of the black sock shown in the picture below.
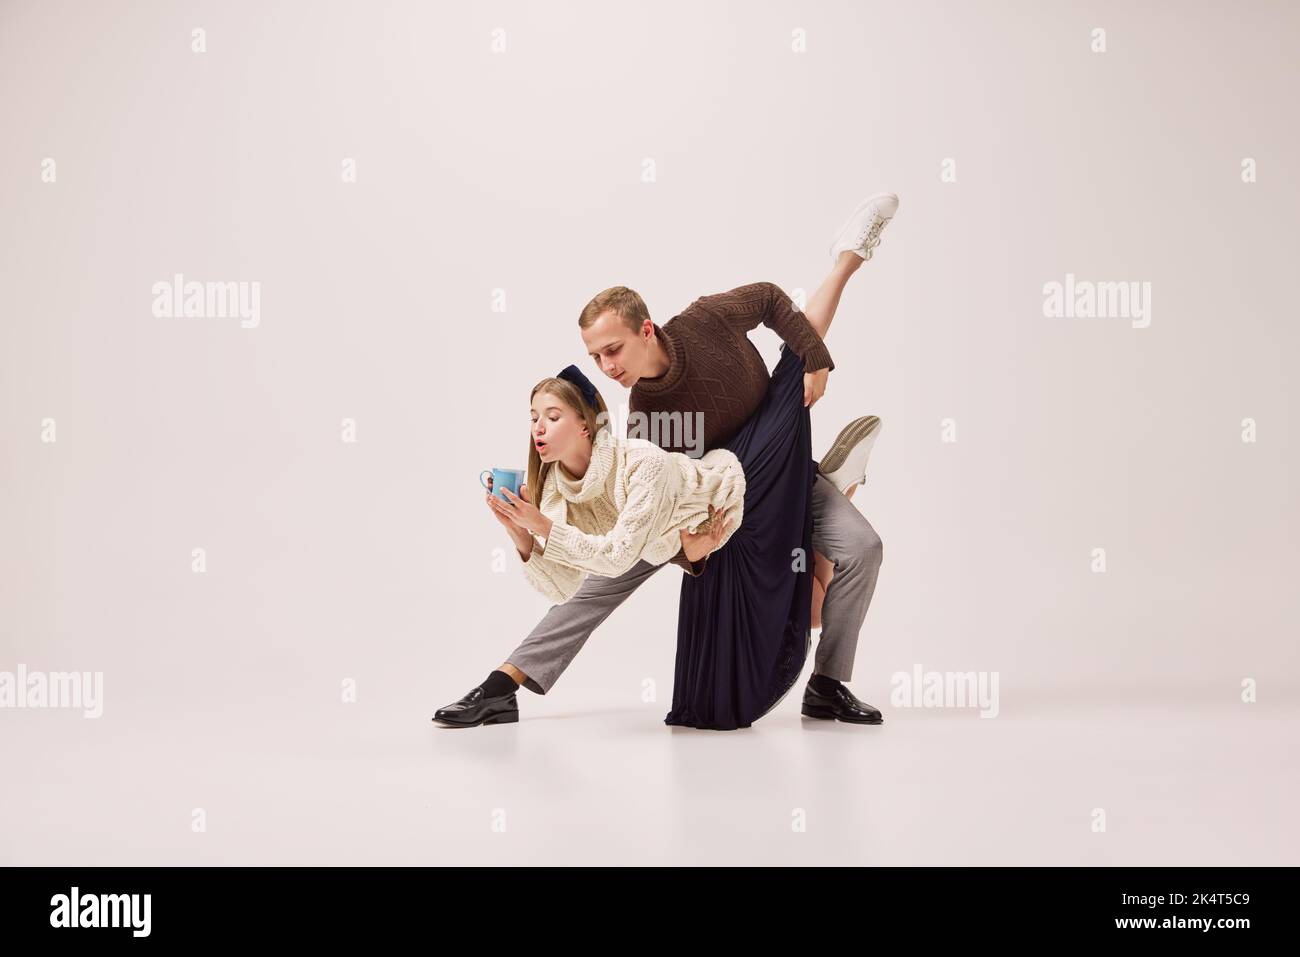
(822, 684)
(499, 683)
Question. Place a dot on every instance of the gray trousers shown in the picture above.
(840, 532)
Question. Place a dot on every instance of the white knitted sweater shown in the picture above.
(631, 504)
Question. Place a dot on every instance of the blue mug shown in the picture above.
(502, 479)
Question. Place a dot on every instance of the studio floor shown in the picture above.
(582, 781)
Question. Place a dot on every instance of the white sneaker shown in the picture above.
(845, 463)
(860, 233)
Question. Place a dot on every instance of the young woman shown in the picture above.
(604, 504)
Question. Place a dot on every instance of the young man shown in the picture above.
(701, 365)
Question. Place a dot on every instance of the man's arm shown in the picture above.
(765, 303)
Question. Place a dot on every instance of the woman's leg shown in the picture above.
(826, 299)
(823, 571)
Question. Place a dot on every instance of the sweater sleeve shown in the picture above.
(644, 515)
(694, 569)
(746, 307)
(557, 582)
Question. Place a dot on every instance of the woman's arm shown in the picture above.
(557, 582)
(620, 548)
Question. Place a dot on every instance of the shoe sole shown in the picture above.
(849, 436)
(506, 717)
(857, 211)
(828, 714)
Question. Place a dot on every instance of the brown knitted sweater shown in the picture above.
(714, 369)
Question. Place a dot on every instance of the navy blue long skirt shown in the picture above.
(743, 626)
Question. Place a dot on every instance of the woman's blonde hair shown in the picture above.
(594, 419)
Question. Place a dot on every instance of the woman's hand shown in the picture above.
(523, 541)
(700, 544)
(496, 513)
(522, 513)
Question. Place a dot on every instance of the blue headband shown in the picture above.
(574, 375)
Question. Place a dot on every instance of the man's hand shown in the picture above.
(814, 386)
(697, 545)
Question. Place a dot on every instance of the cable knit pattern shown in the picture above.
(713, 367)
(745, 307)
(631, 504)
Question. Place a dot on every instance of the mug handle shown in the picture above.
(480, 477)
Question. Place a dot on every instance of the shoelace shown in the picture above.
(871, 235)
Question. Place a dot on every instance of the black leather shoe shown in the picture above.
(839, 705)
(477, 708)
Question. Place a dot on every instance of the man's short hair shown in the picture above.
(623, 301)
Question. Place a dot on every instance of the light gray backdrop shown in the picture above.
(518, 176)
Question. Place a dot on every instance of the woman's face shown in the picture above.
(558, 430)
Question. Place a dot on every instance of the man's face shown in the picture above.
(622, 353)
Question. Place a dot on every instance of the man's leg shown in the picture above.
(844, 536)
(560, 635)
